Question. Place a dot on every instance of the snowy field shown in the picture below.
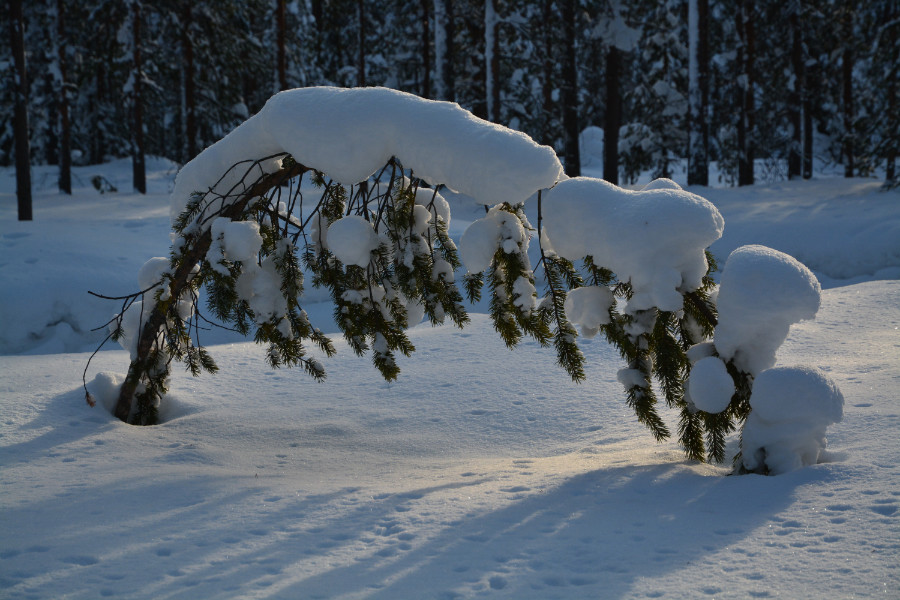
(480, 473)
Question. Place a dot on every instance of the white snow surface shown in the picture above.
(654, 238)
(791, 407)
(762, 293)
(351, 133)
(480, 473)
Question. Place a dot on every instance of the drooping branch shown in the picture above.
(180, 279)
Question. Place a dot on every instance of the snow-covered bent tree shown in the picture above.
(375, 234)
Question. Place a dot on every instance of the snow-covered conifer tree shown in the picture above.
(373, 230)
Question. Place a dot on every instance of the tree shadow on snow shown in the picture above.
(594, 536)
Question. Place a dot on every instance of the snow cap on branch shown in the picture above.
(350, 133)
(791, 408)
(655, 238)
(762, 293)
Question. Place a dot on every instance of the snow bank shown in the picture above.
(654, 238)
(791, 407)
(762, 293)
(350, 133)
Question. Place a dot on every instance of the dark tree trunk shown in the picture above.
(612, 122)
(139, 172)
(746, 56)
(281, 51)
(65, 126)
(318, 16)
(20, 110)
(426, 49)
(571, 126)
(893, 122)
(492, 64)
(847, 81)
(361, 44)
(807, 136)
(796, 95)
(698, 138)
(445, 30)
(548, 135)
(189, 147)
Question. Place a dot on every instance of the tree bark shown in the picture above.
(139, 172)
(698, 95)
(491, 60)
(65, 125)
(426, 49)
(361, 44)
(571, 125)
(613, 118)
(281, 51)
(847, 83)
(181, 279)
(795, 96)
(548, 135)
(20, 110)
(746, 82)
(444, 31)
(189, 147)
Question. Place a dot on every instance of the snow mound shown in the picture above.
(791, 408)
(709, 385)
(350, 133)
(653, 238)
(762, 293)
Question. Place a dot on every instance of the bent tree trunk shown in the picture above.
(145, 361)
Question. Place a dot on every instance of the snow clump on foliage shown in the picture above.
(349, 134)
(791, 407)
(352, 240)
(761, 294)
(710, 387)
(654, 238)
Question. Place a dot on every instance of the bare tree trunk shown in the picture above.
(491, 61)
(361, 44)
(807, 136)
(139, 172)
(612, 121)
(698, 95)
(847, 81)
(444, 31)
(281, 51)
(796, 94)
(65, 126)
(189, 147)
(547, 135)
(426, 49)
(571, 126)
(746, 56)
(20, 111)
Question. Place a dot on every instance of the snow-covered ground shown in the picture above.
(480, 473)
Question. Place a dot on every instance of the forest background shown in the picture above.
(759, 87)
